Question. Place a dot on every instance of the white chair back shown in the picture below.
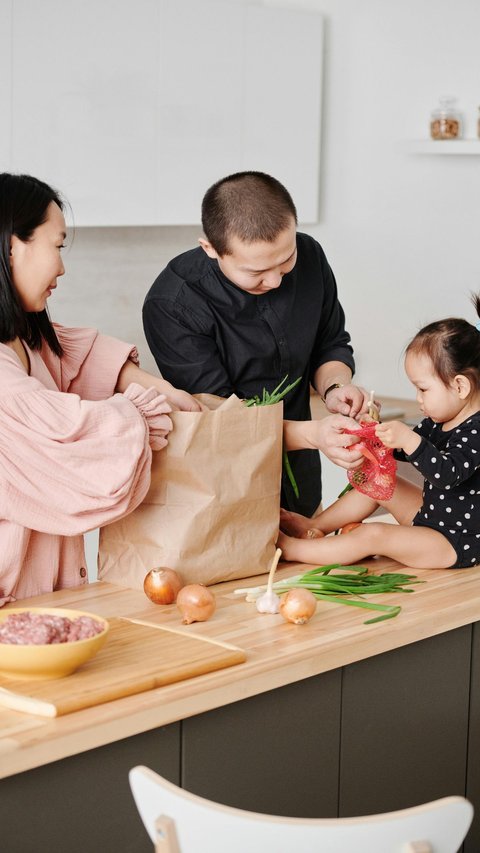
(180, 822)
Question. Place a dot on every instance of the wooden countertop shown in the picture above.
(278, 653)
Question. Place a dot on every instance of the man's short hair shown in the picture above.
(252, 206)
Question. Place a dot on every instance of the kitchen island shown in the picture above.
(332, 718)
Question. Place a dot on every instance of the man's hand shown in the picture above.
(349, 400)
(327, 436)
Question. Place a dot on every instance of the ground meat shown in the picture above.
(29, 628)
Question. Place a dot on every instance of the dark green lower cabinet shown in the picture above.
(472, 844)
(275, 753)
(389, 732)
(384, 734)
(83, 804)
(405, 725)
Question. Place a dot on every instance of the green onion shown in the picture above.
(268, 399)
(356, 581)
(288, 469)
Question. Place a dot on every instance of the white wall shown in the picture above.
(400, 230)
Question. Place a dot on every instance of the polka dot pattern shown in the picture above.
(449, 460)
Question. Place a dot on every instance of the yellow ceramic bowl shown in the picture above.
(49, 660)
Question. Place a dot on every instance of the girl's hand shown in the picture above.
(398, 435)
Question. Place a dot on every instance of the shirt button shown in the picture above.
(83, 572)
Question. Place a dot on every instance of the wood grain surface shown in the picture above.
(277, 653)
(135, 658)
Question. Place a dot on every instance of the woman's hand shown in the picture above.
(181, 400)
(178, 400)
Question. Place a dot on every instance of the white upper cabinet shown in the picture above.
(84, 95)
(133, 109)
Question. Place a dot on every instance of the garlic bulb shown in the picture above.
(268, 602)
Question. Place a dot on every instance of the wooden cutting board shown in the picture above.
(135, 657)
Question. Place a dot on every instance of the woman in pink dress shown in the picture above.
(78, 417)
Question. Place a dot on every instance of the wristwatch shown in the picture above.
(330, 388)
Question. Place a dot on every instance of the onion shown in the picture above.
(298, 606)
(350, 526)
(196, 603)
(162, 585)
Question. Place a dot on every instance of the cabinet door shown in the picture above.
(239, 88)
(472, 843)
(5, 86)
(199, 96)
(84, 118)
(405, 725)
(133, 109)
(83, 804)
(275, 753)
(282, 100)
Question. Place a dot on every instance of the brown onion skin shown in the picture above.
(350, 526)
(162, 585)
(196, 603)
(298, 606)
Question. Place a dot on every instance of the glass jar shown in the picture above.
(445, 121)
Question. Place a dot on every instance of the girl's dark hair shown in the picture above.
(24, 203)
(453, 346)
(249, 205)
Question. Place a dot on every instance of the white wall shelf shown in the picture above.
(444, 146)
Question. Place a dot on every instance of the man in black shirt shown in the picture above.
(256, 302)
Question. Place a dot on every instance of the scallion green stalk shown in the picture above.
(268, 399)
(356, 581)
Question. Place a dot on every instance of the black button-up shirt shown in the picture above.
(209, 336)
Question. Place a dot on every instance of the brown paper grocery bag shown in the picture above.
(212, 511)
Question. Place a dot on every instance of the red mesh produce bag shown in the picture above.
(376, 476)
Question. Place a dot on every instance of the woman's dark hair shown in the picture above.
(249, 205)
(453, 346)
(24, 204)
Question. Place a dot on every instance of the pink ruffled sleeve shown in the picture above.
(154, 408)
(91, 362)
(69, 465)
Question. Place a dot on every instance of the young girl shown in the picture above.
(439, 528)
(74, 454)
